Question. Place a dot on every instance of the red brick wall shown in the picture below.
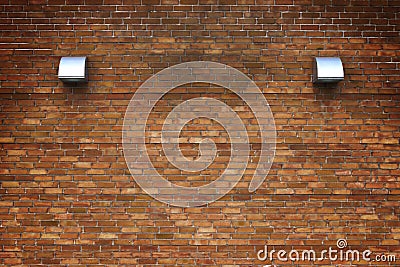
(66, 195)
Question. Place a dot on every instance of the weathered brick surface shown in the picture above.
(66, 195)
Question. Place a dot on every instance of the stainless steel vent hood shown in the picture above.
(327, 70)
(72, 69)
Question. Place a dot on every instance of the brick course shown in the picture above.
(66, 195)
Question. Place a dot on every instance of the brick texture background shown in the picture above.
(66, 195)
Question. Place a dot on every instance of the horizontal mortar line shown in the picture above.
(28, 49)
(14, 43)
(143, 193)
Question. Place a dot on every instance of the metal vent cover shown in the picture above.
(327, 70)
(72, 69)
